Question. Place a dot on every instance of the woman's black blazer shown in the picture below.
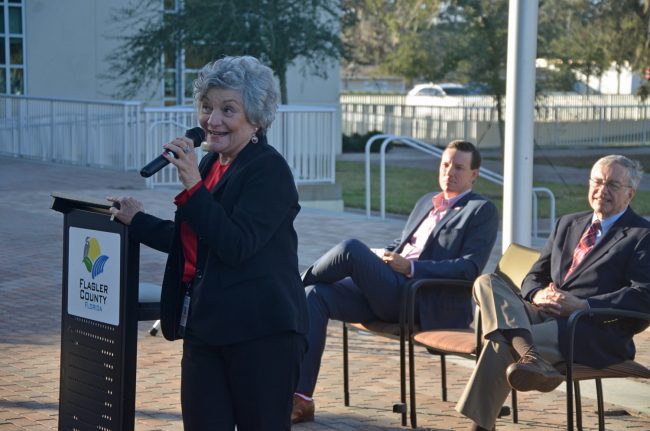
(247, 282)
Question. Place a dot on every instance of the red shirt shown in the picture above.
(189, 240)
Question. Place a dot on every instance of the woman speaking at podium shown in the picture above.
(231, 288)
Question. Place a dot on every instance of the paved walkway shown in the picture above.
(30, 287)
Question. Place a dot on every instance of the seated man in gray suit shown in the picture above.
(449, 234)
(593, 259)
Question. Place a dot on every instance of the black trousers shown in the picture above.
(249, 385)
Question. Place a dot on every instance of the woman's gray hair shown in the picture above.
(634, 169)
(250, 78)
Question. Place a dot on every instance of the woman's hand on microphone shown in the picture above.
(125, 208)
(185, 161)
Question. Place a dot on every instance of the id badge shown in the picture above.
(184, 313)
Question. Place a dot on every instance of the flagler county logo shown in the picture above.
(93, 259)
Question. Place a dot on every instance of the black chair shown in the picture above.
(513, 266)
(391, 330)
(401, 332)
(576, 372)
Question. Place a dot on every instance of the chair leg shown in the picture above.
(601, 406)
(346, 382)
(402, 377)
(443, 376)
(154, 329)
(576, 386)
(515, 412)
(414, 419)
(569, 402)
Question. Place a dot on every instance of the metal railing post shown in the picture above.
(382, 176)
(367, 163)
(125, 147)
(51, 106)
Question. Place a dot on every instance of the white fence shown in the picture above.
(304, 135)
(559, 120)
(125, 136)
(101, 134)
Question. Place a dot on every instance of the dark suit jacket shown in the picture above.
(614, 274)
(459, 248)
(247, 283)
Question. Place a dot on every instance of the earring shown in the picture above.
(255, 139)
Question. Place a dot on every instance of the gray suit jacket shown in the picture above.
(459, 248)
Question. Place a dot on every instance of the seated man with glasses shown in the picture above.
(593, 259)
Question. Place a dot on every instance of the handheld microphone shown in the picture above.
(197, 135)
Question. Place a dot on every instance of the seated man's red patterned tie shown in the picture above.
(585, 244)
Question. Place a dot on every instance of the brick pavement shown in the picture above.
(30, 285)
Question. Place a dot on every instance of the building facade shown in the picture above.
(59, 49)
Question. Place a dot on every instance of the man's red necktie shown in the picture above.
(585, 244)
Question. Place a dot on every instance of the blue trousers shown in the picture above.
(351, 284)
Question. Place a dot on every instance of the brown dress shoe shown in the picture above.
(533, 373)
(303, 410)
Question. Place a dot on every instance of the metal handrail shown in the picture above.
(489, 175)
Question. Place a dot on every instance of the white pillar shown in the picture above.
(519, 123)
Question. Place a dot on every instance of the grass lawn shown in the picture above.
(405, 185)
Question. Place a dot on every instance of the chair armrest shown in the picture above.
(578, 314)
(411, 288)
(572, 322)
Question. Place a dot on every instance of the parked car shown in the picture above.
(478, 88)
(446, 101)
(444, 94)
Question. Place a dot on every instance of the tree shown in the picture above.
(466, 40)
(641, 12)
(590, 35)
(579, 36)
(463, 40)
(278, 32)
(620, 28)
(480, 32)
(391, 34)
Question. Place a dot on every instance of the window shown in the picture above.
(12, 47)
(429, 92)
(186, 70)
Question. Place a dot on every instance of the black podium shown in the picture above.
(99, 318)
